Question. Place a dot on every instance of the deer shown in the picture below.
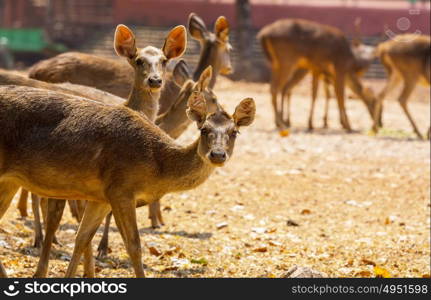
(149, 65)
(361, 51)
(302, 46)
(117, 77)
(114, 157)
(174, 122)
(215, 52)
(406, 58)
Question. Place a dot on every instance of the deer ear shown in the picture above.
(245, 112)
(175, 43)
(197, 27)
(197, 108)
(205, 78)
(181, 73)
(124, 42)
(221, 28)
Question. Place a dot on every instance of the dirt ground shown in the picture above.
(348, 205)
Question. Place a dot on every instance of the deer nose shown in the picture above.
(155, 82)
(217, 156)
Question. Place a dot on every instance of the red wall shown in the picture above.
(170, 12)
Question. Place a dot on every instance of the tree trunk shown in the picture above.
(245, 40)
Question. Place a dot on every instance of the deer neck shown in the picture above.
(206, 59)
(143, 100)
(183, 168)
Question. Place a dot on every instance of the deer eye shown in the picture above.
(205, 131)
(139, 62)
(234, 133)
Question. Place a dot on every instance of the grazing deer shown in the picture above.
(295, 45)
(114, 157)
(406, 58)
(117, 77)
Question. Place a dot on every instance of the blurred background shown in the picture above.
(34, 29)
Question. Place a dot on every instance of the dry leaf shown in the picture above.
(381, 272)
(368, 262)
(305, 212)
(284, 133)
(221, 225)
(261, 249)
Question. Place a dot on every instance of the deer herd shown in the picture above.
(100, 133)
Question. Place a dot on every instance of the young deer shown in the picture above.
(117, 77)
(407, 58)
(293, 44)
(174, 122)
(114, 157)
(149, 68)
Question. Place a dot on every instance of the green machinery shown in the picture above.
(25, 42)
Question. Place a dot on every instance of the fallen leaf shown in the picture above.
(154, 251)
(221, 225)
(305, 212)
(284, 133)
(291, 223)
(381, 272)
(261, 249)
(200, 261)
(363, 274)
(368, 262)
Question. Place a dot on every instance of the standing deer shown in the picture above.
(406, 58)
(298, 46)
(215, 52)
(174, 122)
(117, 77)
(114, 157)
(149, 64)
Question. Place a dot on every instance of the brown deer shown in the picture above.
(366, 53)
(114, 157)
(149, 65)
(174, 122)
(116, 77)
(406, 58)
(295, 44)
(215, 52)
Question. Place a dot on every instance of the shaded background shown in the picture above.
(88, 25)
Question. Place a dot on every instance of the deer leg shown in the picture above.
(378, 109)
(409, 85)
(327, 100)
(38, 234)
(93, 216)
(294, 80)
(44, 209)
(125, 217)
(274, 94)
(339, 92)
(155, 214)
(22, 203)
(7, 192)
(159, 213)
(55, 209)
(103, 245)
(314, 89)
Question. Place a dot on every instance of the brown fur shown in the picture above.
(113, 155)
(405, 58)
(292, 44)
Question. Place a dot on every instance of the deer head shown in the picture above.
(149, 63)
(218, 129)
(215, 45)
